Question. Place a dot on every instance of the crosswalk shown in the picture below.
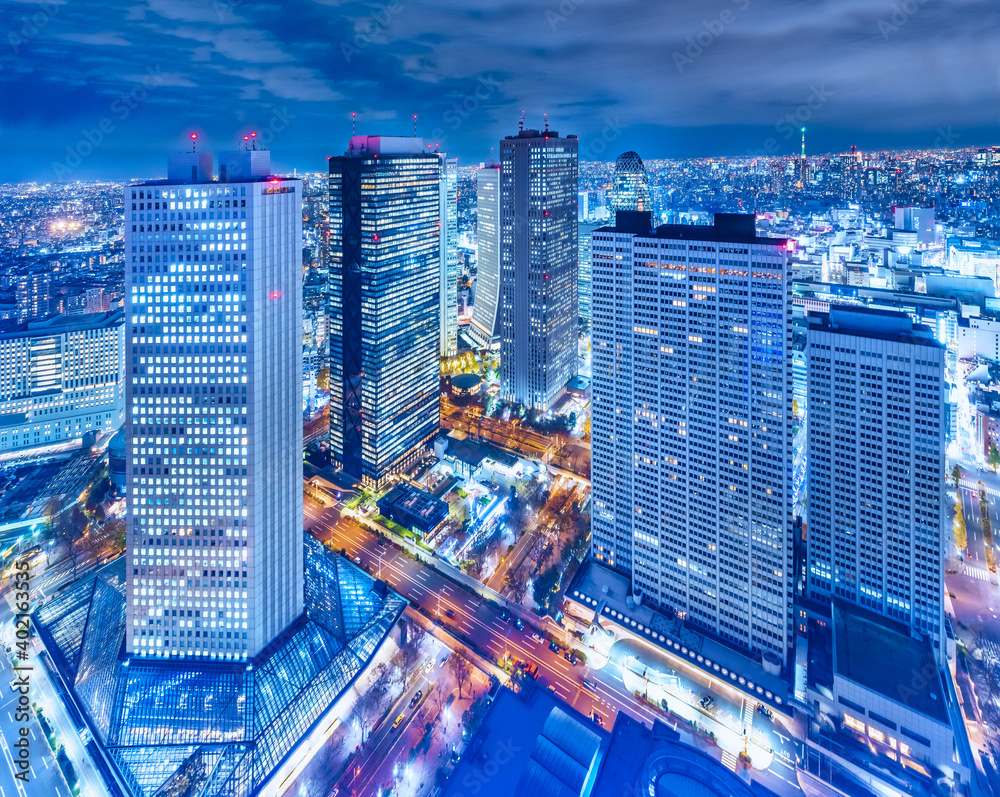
(977, 572)
(729, 761)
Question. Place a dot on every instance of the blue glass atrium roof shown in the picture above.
(214, 729)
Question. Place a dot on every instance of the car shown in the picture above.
(571, 658)
(399, 721)
(597, 718)
(505, 615)
(416, 698)
(536, 636)
(529, 669)
(707, 702)
(518, 623)
(589, 685)
(357, 561)
(554, 647)
(444, 658)
(449, 613)
(551, 688)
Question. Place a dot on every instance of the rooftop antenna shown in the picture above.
(520, 126)
(246, 142)
(194, 141)
(253, 138)
(546, 122)
(414, 125)
(354, 119)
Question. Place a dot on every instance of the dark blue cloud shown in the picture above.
(684, 78)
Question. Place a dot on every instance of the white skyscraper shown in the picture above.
(876, 437)
(485, 325)
(692, 404)
(213, 398)
(449, 256)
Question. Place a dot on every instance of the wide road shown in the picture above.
(478, 622)
(45, 778)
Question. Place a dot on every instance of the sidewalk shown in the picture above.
(453, 643)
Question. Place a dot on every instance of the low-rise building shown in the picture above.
(413, 509)
(60, 379)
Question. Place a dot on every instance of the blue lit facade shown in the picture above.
(385, 284)
(213, 729)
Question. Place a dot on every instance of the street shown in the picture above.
(478, 623)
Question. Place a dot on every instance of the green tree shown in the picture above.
(993, 458)
(958, 526)
(956, 475)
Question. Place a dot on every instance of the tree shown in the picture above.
(956, 475)
(993, 458)
(369, 706)
(461, 671)
(959, 528)
(323, 379)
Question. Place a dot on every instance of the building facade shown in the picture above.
(539, 178)
(876, 443)
(630, 184)
(584, 278)
(385, 200)
(214, 408)
(484, 327)
(449, 256)
(60, 379)
(691, 415)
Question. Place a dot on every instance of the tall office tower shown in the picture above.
(691, 415)
(385, 321)
(61, 378)
(32, 296)
(449, 256)
(876, 443)
(583, 206)
(214, 408)
(584, 280)
(485, 325)
(539, 177)
(779, 174)
(630, 184)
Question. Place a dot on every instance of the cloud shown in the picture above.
(102, 39)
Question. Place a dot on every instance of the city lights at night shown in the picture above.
(439, 399)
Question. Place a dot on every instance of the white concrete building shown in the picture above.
(692, 403)
(876, 442)
(60, 379)
(214, 408)
(485, 325)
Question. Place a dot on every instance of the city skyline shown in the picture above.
(298, 76)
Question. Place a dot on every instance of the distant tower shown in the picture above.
(803, 175)
(630, 184)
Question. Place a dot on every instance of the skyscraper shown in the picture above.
(32, 294)
(214, 307)
(485, 325)
(876, 441)
(385, 319)
(584, 280)
(539, 176)
(449, 256)
(630, 184)
(692, 406)
(205, 657)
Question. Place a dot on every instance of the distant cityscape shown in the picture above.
(618, 477)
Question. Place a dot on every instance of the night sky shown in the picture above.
(101, 89)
